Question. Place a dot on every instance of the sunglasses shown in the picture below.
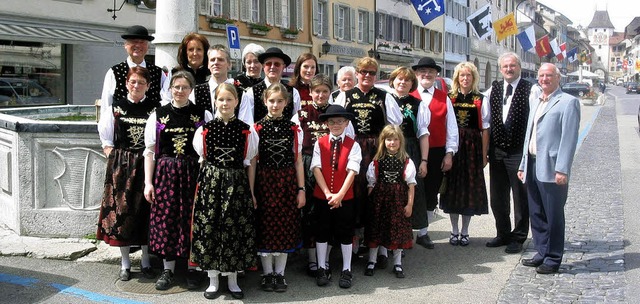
(367, 72)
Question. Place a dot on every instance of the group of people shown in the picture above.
(228, 172)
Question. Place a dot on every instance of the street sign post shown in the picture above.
(233, 39)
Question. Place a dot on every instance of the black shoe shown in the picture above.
(424, 241)
(345, 279)
(496, 242)
(382, 262)
(321, 278)
(125, 275)
(531, 262)
(454, 239)
(464, 240)
(241, 274)
(165, 280)
(194, 279)
(280, 284)
(513, 247)
(210, 295)
(370, 270)
(148, 272)
(267, 283)
(546, 269)
(397, 269)
(237, 294)
(310, 271)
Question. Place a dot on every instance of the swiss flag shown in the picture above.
(543, 47)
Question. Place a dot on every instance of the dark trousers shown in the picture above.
(546, 207)
(503, 170)
(334, 225)
(432, 183)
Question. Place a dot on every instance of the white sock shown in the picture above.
(422, 232)
(313, 259)
(146, 262)
(373, 254)
(383, 251)
(267, 264)
(233, 282)
(430, 216)
(397, 257)
(326, 262)
(171, 265)
(281, 263)
(213, 280)
(126, 260)
(346, 256)
(454, 223)
(466, 219)
(321, 249)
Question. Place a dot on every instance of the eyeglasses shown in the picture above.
(367, 72)
(335, 122)
(137, 82)
(181, 88)
(274, 64)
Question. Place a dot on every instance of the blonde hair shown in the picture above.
(474, 72)
(406, 73)
(276, 87)
(226, 87)
(387, 132)
(365, 62)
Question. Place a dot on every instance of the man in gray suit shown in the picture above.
(549, 148)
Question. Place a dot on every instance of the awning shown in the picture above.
(51, 34)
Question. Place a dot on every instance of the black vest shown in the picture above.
(409, 108)
(175, 128)
(202, 94)
(120, 72)
(509, 136)
(368, 109)
(276, 142)
(130, 120)
(225, 144)
(260, 109)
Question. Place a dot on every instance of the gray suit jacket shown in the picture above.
(556, 137)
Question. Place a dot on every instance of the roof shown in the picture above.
(616, 38)
(601, 20)
(633, 28)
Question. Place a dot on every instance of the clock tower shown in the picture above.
(599, 31)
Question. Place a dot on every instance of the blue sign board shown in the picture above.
(233, 39)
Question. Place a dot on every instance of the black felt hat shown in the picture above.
(335, 111)
(427, 62)
(274, 52)
(137, 32)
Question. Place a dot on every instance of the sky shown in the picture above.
(621, 12)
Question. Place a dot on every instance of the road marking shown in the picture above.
(587, 128)
(17, 280)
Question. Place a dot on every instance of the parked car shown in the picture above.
(619, 81)
(577, 89)
(633, 87)
(440, 84)
(20, 91)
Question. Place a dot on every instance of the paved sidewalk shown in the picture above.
(593, 267)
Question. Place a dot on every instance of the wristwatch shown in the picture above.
(302, 189)
(426, 161)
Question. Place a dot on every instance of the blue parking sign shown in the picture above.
(233, 39)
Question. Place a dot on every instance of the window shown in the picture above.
(285, 14)
(361, 26)
(344, 22)
(326, 69)
(31, 73)
(427, 40)
(254, 9)
(417, 37)
(382, 26)
(340, 21)
(216, 8)
(320, 18)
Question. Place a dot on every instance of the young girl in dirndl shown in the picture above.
(278, 188)
(391, 180)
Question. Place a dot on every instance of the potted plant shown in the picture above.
(290, 33)
(219, 22)
(396, 48)
(259, 29)
(384, 46)
(406, 50)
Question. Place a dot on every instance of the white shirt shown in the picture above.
(246, 105)
(409, 174)
(252, 145)
(354, 159)
(109, 86)
(451, 142)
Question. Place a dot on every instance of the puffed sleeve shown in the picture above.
(486, 112)
(423, 119)
(207, 116)
(246, 107)
(410, 173)
(296, 101)
(371, 175)
(252, 146)
(198, 145)
(394, 116)
(299, 133)
(150, 136)
(108, 87)
(452, 129)
(105, 127)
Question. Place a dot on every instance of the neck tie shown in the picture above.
(335, 151)
(506, 96)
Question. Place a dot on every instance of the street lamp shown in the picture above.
(373, 53)
(326, 47)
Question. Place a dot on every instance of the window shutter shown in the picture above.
(352, 20)
(233, 9)
(316, 22)
(268, 11)
(336, 7)
(244, 10)
(299, 15)
(205, 7)
(277, 12)
(372, 28)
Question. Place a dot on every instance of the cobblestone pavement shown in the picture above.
(593, 267)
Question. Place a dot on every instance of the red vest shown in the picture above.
(438, 124)
(339, 175)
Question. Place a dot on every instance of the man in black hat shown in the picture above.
(443, 143)
(252, 107)
(136, 44)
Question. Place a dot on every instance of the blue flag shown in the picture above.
(428, 9)
(527, 38)
(572, 55)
